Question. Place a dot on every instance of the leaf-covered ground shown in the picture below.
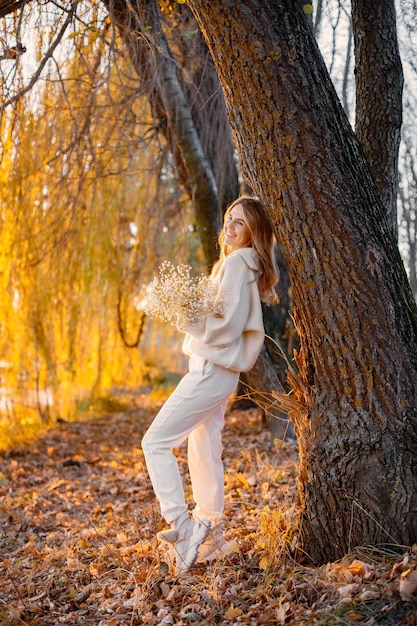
(77, 538)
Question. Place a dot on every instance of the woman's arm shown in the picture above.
(233, 293)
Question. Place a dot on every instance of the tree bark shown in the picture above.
(379, 101)
(355, 392)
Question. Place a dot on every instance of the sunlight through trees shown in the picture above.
(89, 209)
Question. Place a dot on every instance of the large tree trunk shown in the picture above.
(379, 102)
(355, 395)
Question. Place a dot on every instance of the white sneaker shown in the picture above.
(216, 546)
(185, 539)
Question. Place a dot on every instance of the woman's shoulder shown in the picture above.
(243, 257)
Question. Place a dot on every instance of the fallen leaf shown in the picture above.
(361, 569)
(355, 616)
(284, 612)
(82, 595)
(408, 584)
(233, 612)
(349, 590)
(369, 594)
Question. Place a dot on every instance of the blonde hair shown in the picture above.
(262, 231)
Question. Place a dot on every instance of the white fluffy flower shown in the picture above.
(177, 295)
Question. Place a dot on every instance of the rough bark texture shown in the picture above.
(379, 101)
(355, 399)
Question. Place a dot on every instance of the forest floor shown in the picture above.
(78, 520)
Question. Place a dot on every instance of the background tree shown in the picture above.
(408, 203)
(355, 393)
(407, 195)
(379, 102)
(187, 106)
(333, 28)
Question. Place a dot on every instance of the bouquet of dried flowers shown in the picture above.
(175, 295)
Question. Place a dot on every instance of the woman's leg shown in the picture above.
(200, 394)
(206, 465)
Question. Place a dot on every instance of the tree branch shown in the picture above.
(10, 6)
(49, 53)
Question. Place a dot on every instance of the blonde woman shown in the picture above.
(220, 346)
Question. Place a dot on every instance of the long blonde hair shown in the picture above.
(260, 226)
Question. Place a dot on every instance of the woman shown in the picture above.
(220, 346)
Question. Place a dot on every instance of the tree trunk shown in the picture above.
(379, 101)
(141, 29)
(354, 406)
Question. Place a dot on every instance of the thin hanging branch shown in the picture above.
(49, 53)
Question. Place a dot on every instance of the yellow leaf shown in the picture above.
(359, 568)
(243, 480)
(232, 612)
(308, 9)
(264, 563)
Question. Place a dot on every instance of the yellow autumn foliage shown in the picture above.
(88, 211)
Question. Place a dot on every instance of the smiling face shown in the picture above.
(236, 231)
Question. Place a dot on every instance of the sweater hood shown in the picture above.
(249, 256)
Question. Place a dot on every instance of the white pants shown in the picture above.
(195, 410)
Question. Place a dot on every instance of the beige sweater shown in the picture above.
(233, 339)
